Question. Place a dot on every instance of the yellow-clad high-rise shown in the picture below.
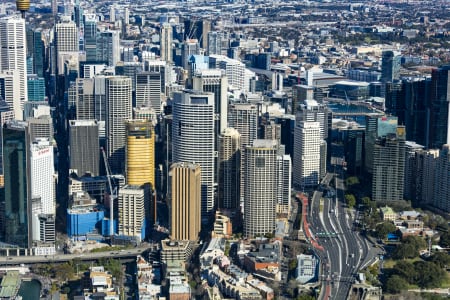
(140, 153)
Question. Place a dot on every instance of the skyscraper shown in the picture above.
(132, 210)
(185, 204)
(84, 147)
(229, 168)
(284, 171)
(66, 35)
(13, 52)
(118, 110)
(188, 48)
(10, 91)
(439, 108)
(390, 66)
(244, 118)
(90, 37)
(140, 153)
(389, 166)
(193, 138)
(307, 141)
(108, 47)
(148, 90)
(166, 42)
(214, 81)
(17, 228)
(260, 167)
(442, 179)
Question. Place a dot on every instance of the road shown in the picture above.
(345, 250)
(16, 260)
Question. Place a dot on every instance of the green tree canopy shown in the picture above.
(444, 241)
(406, 270)
(351, 181)
(429, 274)
(350, 200)
(382, 229)
(395, 284)
(441, 259)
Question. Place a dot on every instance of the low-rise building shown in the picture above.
(307, 270)
(388, 214)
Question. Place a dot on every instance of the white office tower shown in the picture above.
(214, 81)
(10, 88)
(132, 211)
(42, 174)
(442, 179)
(13, 53)
(118, 110)
(148, 90)
(193, 139)
(126, 16)
(43, 196)
(307, 141)
(166, 42)
(312, 111)
(260, 187)
(66, 35)
(229, 168)
(284, 177)
(234, 69)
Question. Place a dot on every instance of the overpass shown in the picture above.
(120, 254)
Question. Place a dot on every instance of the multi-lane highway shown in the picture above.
(345, 251)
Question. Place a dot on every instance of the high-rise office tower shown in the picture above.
(185, 204)
(409, 100)
(36, 88)
(389, 166)
(284, 179)
(215, 42)
(10, 91)
(193, 138)
(442, 180)
(188, 48)
(439, 108)
(132, 208)
(36, 50)
(244, 118)
(90, 37)
(214, 81)
(81, 98)
(118, 110)
(229, 168)
(13, 52)
(411, 161)
(40, 127)
(306, 166)
(17, 228)
(390, 66)
(108, 47)
(166, 42)
(66, 35)
(160, 67)
(260, 189)
(197, 29)
(148, 90)
(42, 174)
(140, 153)
(234, 69)
(84, 147)
(6, 115)
(425, 168)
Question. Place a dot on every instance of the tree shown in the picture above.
(305, 297)
(365, 201)
(382, 229)
(404, 251)
(429, 274)
(406, 270)
(444, 240)
(350, 199)
(353, 180)
(441, 259)
(63, 272)
(395, 284)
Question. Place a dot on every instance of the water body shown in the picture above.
(30, 290)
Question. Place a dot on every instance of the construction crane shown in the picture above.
(112, 196)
